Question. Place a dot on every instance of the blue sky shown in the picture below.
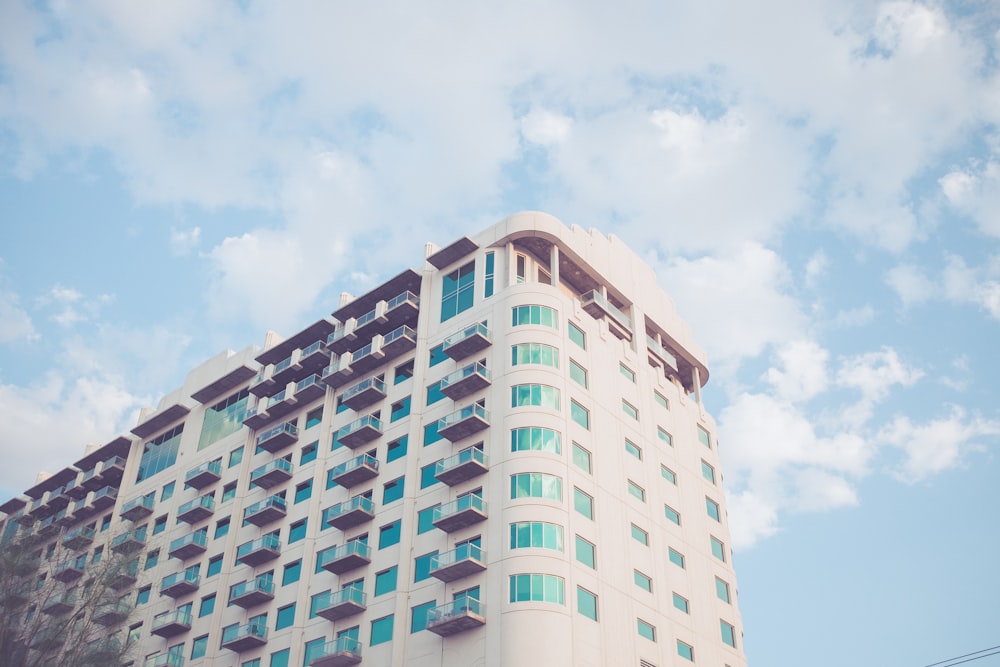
(816, 183)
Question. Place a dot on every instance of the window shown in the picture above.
(438, 355)
(534, 353)
(431, 434)
(341, 406)
(712, 508)
(718, 549)
(488, 277)
(580, 414)
(313, 650)
(159, 524)
(403, 372)
(537, 534)
(535, 485)
(708, 472)
(630, 409)
(297, 531)
(228, 492)
(664, 436)
(535, 439)
(400, 409)
(285, 617)
(520, 268)
(627, 372)
(577, 336)
(677, 558)
(703, 437)
(199, 646)
(578, 373)
(292, 572)
(668, 475)
(685, 651)
(142, 596)
(418, 615)
(672, 514)
(308, 453)
(160, 453)
(537, 588)
(427, 477)
(722, 590)
(681, 604)
(640, 535)
(251, 663)
(434, 393)
(392, 491)
(586, 553)
(728, 633)
(642, 581)
(583, 503)
(385, 581)
(457, 291)
(422, 566)
(646, 630)
(542, 315)
(425, 518)
(381, 630)
(586, 603)
(661, 400)
(317, 602)
(106, 522)
(236, 457)
(221, 528)
(207, 606)
(541, 395)
(633, 449)
(581, 458)
(314, 417)
(280, 658)
(167, 492)
(396, 449)
(389, 535)
(99, 553)
(303, 491)
(636, 491)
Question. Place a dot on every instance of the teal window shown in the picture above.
(280, 658)
(578, 374)
(489, 275)
(392, 491)
(427, 477)
(586, 552)
(431, 434)
(704, 438)
(708, 472)
(583, 503)
(403, 372)
(536, 534)
(577, 336)
(389, 534)
(534, 315)
(633, 449)
(681, 604)
(438, 355)
(317, 602)
(425, 518)
(535, 439)
(422, 566)
(214, 566)
(400, 409)
(418, 615)
(668, 475)
(221, 528)
(630, 409)
(664, 436)
(642, 581)
(285, 617)
(142, 596)
(640, 535)
(223, 418)
(381, 630)
(712, 508)
(586, 603)
(535, 485)
(341, 406)
(646, 630)
(159, 524)
(207, 607)
(728, 633)
(534, 353)
(537, 588)
(228, 492)
(385, 581)
(396, 449)
(312, 650)
(434, 393)
(636, 491)
(541, 395)
(661, 400)
(167, 492)
(291, 573)
(579, 414)
(297, 531)
(314, 417)
(199, 646)
(581, 458)
(160, 453)
(520, 268)
(308, 453)
(722, 590)
(303, 491)
(672, 514)
(627, 372)
(236, 457)
(718, 549)
(676, 557)
(685, 651)
(457, 291)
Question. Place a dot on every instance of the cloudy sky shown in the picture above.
(817, 184)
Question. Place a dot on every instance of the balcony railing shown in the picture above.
(180, 583)
(190, 545)
(346, 557)
(164, 660)
(241, 638)
(104, 498)
(458, 514)
(271, 473)
(463, 423)
(364, 393)
(124, 575)
(309, 389)
(465, 381)
(78, 538)
(252, 593)
(350, 513)
(201, 476)
(266, 511)
(467, 342)
(138, 508)
(113, 613)
(464, 560)
(259, 551)
(463, 614)
(196, 510)
(660, 352)
(359, 431)
(129, 542)
(335, 605)
(355, 471)
(277, 438)
(60, 603)
(70, 570)
(172, 623)
(468, 463)
(340, 652)
(598, 306)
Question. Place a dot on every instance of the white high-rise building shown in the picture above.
(498, 459)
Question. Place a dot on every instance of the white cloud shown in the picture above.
(910, 284)
(546, 128)
(804, 371)
(816, 267)
(15, 323)
(183, 241)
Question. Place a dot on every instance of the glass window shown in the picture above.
(577, 336)
(586, 553)
(636, 491)
(392, 491)
(159, 524)
(536, 534)
(403, 372)
(389, 535)
(489, 274)
(677, 558)
(646, 630)
(664, 436)
(672, 514)
(400, 409)
(228, 492)
(438, 355)
(214, 565)
(722, 590)
(718, 549)
(167, 492)
(434, 393)
(537, 588)
(680, 603)
(396, 449)
(712, 508)
(292, 572)
(297, 531)
(160, 453)
(627, 372)
(427, 477)
(661, 400)
(431, 434)
(668, 474)
(642, 581)
(581, 458)
(578, 373)
(535, 439)
(703, 437)
(236, 457)
(520, 268)
(422, 566)
(280, 658)
(728, 634)
(586, 603)
(221, 528)
(541, 395)
(418, 615)
(534, 353)
(425, 518)
(708, 472)
(630, 409)
(535, 485)
(308, 453)
(199, 646)
(534, 315)
(303, 491)
(633, 449)
(457, 291)
(285, 617)
(685, 651)
(580, 414)
(381, 630)
(207, 606)
(312, 650)
(385, 581)
(314, 417)
(583, 503)
(640, 535)
(142, 596)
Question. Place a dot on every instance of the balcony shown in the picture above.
(345, 558)
(359, 432)
(659, 352)
(314, 357)
(257, 417)
(340, 652)
(60, 603)
(164, 660)
(309, 389)
(48, 527)
(196, 510)
(105, 651)
(70, 570)
(58, 499)
(598, 307)
(348, 514)
(384, 316)
(271, 474)
(397, 342)
(78, 538)
(465, 465)
(113, 614)
(463, 614)
(66, 517)
(201, 476)
(463, 423)
(48, 638)
(104, 498)
(355, 471)
(467, 342)
(39, 507)
(465, 511)
(339, 371)
(179, 584)
(367, 392)
(124, 576)
(111, 470)
(252, 593)
(130, 542)
(335, 605)
(266, 511)
(465, 381)
(90, 481)
(461, 562)
(277, 438)
(259, 551)
(239, 638)
(172, 623)
(280, 404)
(138, 508)
(74, 489)
(16, 594)
(189, 546)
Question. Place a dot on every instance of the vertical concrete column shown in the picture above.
(696, 379)
(554, 264)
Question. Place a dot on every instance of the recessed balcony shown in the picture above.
(335, 605)
(113, 614)
(309, 389)
(125, 575)
(351, 513)
(463, 423)
(189, 546)
(359, 432)
(252, 593)
(104, 498)
(180, 584)
(60, 603)
(239, 638)
(467, 342)
(599, 307)
(262, 550)
(465, 465)
(78, 538)
(660, 353)
(197, 510)
(271, 474)
(460, 562)
(465, 381)
(266, 511)
(277, 438)
(346, 557)
(465, 511)
(172, 623)
(138, 508)
(361, 395)
(463, 614)
(201, 476)
(355, 471)
(130, 542)
(70, 570)
(341, 652)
